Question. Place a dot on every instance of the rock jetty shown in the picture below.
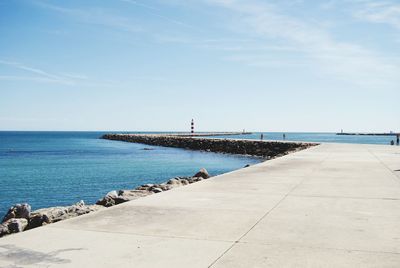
(117, 197)
(20, 218)
(265, 149)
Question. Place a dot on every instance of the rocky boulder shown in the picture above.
(3, 230)
(195, 179)
(38, 219)
(175, 182)
(164, 186)
(202, 173)
(18, 211)
(114, 198)
(17, 225)
(128, 195)
(156, 190)
(14, 225)
(54, 214)
(108, 200)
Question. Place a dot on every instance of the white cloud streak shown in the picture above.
(103, 17)
(380, 12)
(95, 16)
(136, 3)
(156, 12)
(346, 60)
(42, 76)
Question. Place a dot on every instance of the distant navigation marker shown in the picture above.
(192, 127)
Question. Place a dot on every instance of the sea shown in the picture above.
(48, 169)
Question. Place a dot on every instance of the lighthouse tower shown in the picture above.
(192, 127)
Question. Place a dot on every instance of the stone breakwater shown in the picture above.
(265, 149)
(20, 217)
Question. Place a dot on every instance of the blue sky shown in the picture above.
(286, 65)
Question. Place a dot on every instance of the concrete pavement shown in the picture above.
(333, 205)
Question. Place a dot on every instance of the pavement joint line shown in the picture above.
(388, 168)
(224, 192)
(251, 228)
(269, 211)
(346, 197)
(223, 254)
(259, 239)
(316, 247)
(144, 235)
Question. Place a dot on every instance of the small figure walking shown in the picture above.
(262, 136)
(284, 136)
(392, 142)
(397, 139)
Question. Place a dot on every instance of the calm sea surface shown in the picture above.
(60, 168)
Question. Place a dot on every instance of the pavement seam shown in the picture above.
(347, 197)
(269, 211)
(144, 235)
(316, 247)
(388, 168)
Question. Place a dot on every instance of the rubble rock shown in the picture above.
(16, 225)
(18, 211)
(202, 173)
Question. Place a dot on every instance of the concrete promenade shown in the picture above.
(332, 205)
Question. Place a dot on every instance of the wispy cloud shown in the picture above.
(223, 44)
(42, 76)
(258, 60)
(75, 76)
(328, 5)
(375, 11)
(249, 46)
(103, 17)
(96, 16)
(156, 12)
(380, 12)
(28, 78)
(345, 60)
(136, 3)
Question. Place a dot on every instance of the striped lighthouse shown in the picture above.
(192, 127)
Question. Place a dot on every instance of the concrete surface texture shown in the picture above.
(332, 205)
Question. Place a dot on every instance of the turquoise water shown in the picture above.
(60, 168)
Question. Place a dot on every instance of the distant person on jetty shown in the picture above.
(284, 136)
(262, 136)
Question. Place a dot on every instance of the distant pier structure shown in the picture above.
(192, 127)
(367, 134)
